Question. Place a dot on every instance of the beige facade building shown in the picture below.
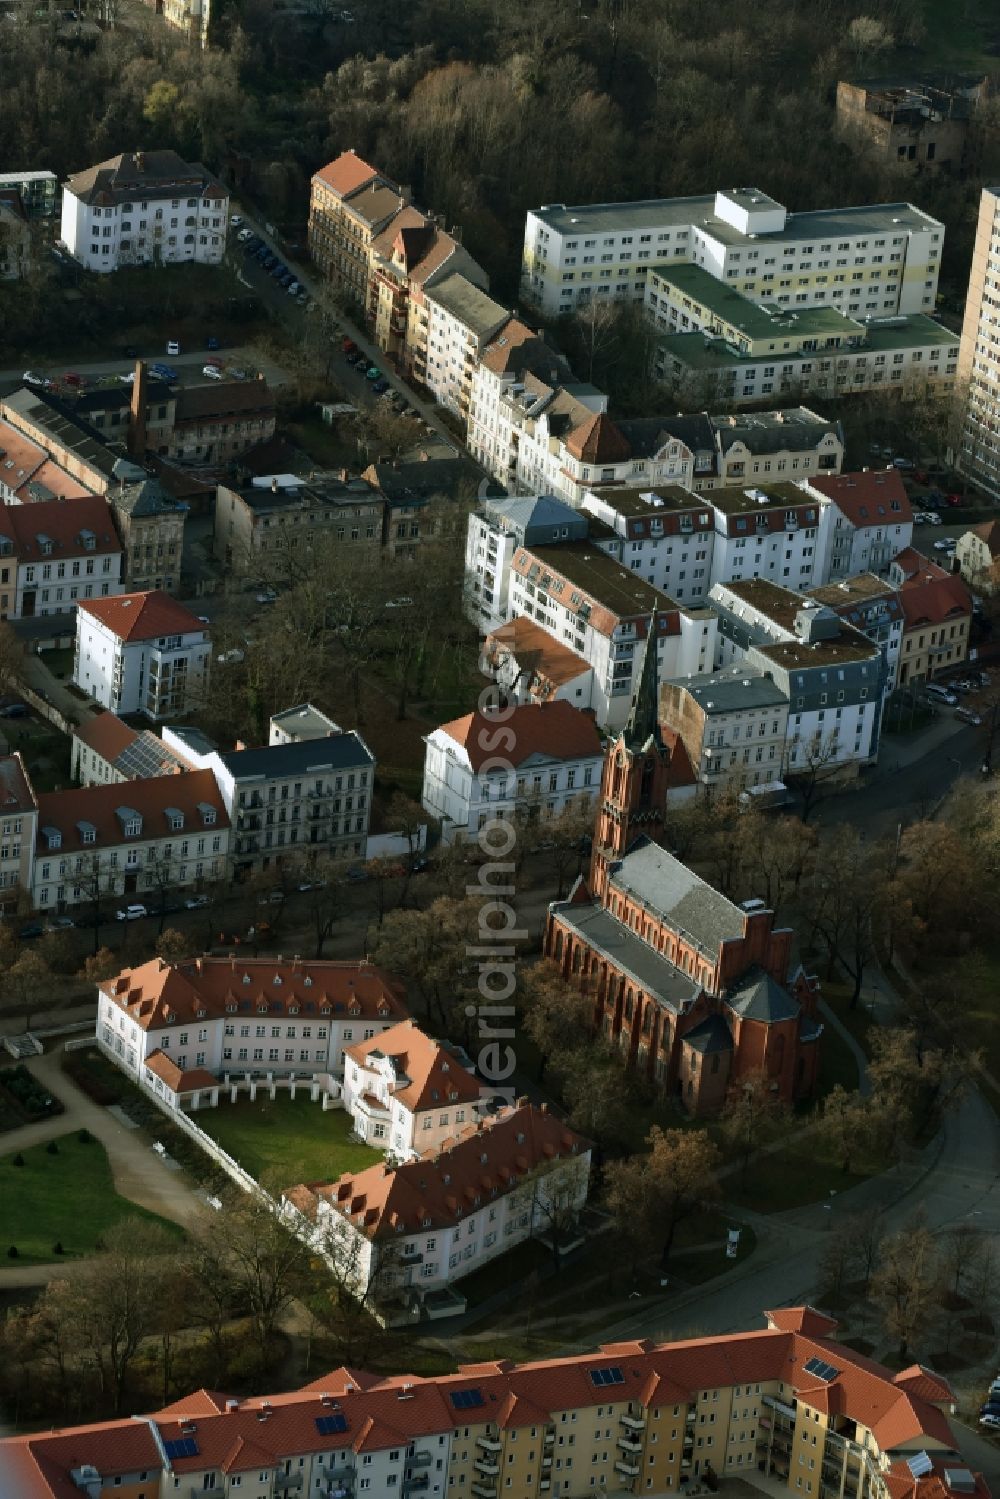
(18, 830)
(151, 525)
(350, 204)
(733, 725)
(937, 614)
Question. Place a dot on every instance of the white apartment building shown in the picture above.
(556, 755)
(831, 674)
(733, 724)
(301, 801)
(874, 607)
(235, 1017)
(56, 552)
(407, 1093)
(427, 1223)
(871, 520)
(978, 455)
(461, 320)
(494, 533)
(144, 208)
(742, 237)
(141, 653)
(155, 835)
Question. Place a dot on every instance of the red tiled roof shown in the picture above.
(917, 1380)
(536, 652)
(187, 792)
(345, 174)
(435, 1076)
(802, 1319)
(504, 355)
(217, 986)
(989, 531)
(598, 441)
(928, 599)
(550, 731)
(492, 1157)
(58, 525)
(176, 1079)
(143, 616)
(876, 497)
(106, 734)
(386, 1411)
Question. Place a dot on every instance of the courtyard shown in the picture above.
(286, 1140)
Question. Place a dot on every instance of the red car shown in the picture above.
(348, 345)
(73, 379)
(953, 499)
(919, 476)
(215, 363)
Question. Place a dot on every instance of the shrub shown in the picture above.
(12, 1253)
(57, 1247)
(85, 1137)
(52, 1148)
(19, 1159)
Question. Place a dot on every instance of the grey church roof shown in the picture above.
(630, 954)
(757, 996)
(669, 888)
(713, 1034)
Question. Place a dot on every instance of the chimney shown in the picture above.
(136, 442)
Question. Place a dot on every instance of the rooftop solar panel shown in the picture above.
(328, 1425)
(464, 1400)
(601, 1377)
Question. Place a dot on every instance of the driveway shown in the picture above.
(139, 1173)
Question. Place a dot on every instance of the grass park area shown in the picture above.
(65, 1198)
(287, 1141)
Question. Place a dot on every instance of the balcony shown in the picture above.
(484, 1490)
(417, 1483)
(631, 1470)
(489, 1444)
(287, 1483)
(633, 1423)
(487, 1466)
(549, 1438)
(629, 1444)
(423, 1458)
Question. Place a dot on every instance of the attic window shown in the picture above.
(307, 982)
(88, 540)
(276, 979)
(246, 978)
(293, 1009)
(483, 1158)
(45, 545)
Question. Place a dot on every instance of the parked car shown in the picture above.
(373, 373)
(271, 898)
(41, 382)
(942, 544)
(14, 710)
(130, 352)
(311, 885)
(212, 371)
(967, 716)
(933, 519)
(380, 386)
(919, 476)
(164, 372)
(267, 596)
(992, 1423)
(128, 379)
(215, 361)
(235, 220)
(904, 465)
(348, 345)
(940, 694)
(131, 913)
(230, 658)
(33, 930)
(245, 235)
(196, 903)
(60, 924)
(953, 499)
(237, 374)
(293, 289)
(211, 343)
(405, 602)
(354, 357)
(72, 378)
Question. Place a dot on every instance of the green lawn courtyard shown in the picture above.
(287, 1141)
(68, 1198)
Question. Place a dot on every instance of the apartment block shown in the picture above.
(733, 724)
(978, 455)
(530, 667)
(871, 520)
(141, 653)
(833, 676)
(157, 834)
(144, 208)
(151, 525)
(873, 606)
(350, 202)
(56, 552)
(299, 801)
(719, 344)
(461, 321)
(744, 1405)
(411, 256)
(741, 237)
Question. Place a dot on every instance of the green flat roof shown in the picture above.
(914, 332)
(754, 319)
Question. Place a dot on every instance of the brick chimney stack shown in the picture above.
(137, 415)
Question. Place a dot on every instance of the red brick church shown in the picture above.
(698, 991)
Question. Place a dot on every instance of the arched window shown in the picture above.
(777, 1055)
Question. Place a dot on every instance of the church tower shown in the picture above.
(633, 795)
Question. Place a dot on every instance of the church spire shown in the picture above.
(644, 718)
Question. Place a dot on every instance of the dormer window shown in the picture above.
(262, 1009)
(175, 819)
(88, 540)
(45, 545)
(277, 978)
(207, 813)
(307, 982)
(130, 821)
(293, 1009)
(53, 837)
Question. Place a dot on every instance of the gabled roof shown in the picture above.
(177, 1079)
(193, 793)
(930, 600)
(431, 1073)
(757, 996)
(143, 616)
(143, 175)
(987, 531)
(804, 1319)
(58, 529)
(924, 1383)
(713, 1034)
(547, 731)
(686, 902)
(538, 655)
(106, 734)
(517, 347)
